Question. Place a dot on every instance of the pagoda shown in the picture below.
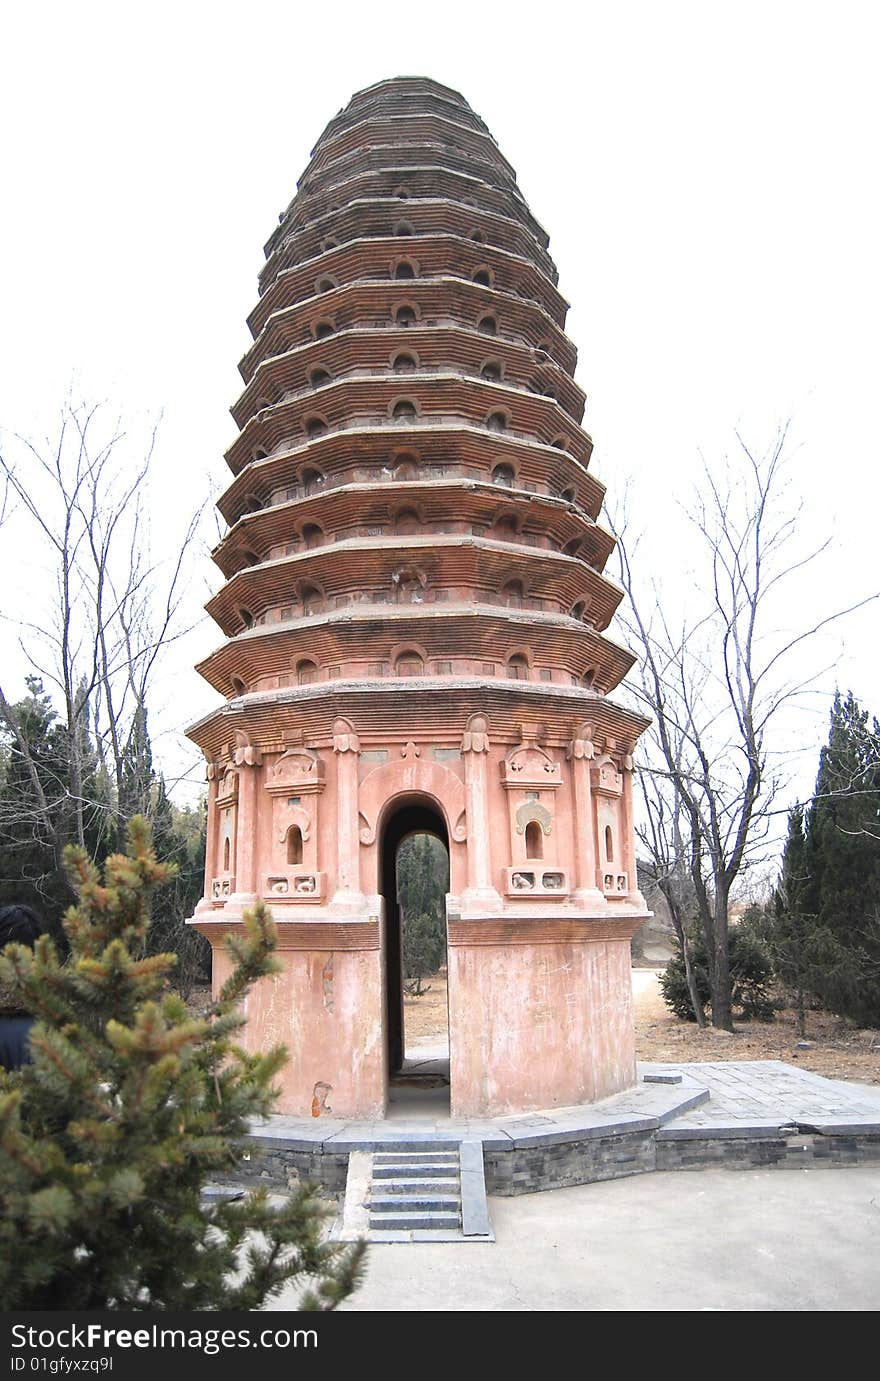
(414, 615)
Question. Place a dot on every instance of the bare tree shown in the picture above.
(715, 686)
(661, 835)
(114, 610)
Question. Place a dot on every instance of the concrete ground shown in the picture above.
(716, 1240)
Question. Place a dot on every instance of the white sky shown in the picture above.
(707, 174)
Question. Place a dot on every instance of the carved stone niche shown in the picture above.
(297, 772)
(298, 886)
(223, 819)
(537, 879)
(606, 780)
(529, 767)
(607, 783)
(530, 777)
(227, 788)
(295, 782)
(615, 884)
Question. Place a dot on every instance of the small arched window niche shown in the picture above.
(404, 410)
(534, 840)
(409, 664)
(406, 521)
(609, 844)
(518, 667)
(505, 529)
(405, 466)
(513, 596)
(311, 480)
(312, 599)
(404, 363)
(404, 269)
(405, 315)
(294, 845)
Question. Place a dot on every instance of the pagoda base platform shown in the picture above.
(540, 1009)
(734, 1115)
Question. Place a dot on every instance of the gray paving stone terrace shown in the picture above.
(730, 1098)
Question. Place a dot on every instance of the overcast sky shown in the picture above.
(707, 174)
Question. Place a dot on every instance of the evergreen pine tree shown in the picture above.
(841, 893)
(129, 1106)
(31, 838)
(787, 927)
(424, 950)
(422, 883)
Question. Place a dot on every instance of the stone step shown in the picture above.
(417, 1196)
(419, 1235)
(424, 1157)
(419, 1218)
(408, 1184)
(447, 1169)
(395, 1202)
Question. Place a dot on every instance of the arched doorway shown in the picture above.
(412, 816)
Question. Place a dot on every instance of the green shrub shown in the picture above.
(750, 974)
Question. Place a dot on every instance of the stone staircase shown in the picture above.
(417, 1193)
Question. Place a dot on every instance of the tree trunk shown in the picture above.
(722, 1007)
(800, 1008)
(672, 902)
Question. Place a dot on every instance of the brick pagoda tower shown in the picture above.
(414, 614)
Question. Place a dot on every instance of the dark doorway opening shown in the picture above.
(409, 822)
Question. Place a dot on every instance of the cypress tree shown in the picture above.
(31, 838)
(841, 864)
(422, 882)
(787, 927)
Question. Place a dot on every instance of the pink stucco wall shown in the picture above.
(325, 1007)
(538, 1025)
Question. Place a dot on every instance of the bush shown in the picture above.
(750, 975)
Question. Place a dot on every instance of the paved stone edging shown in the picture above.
(738, 1115)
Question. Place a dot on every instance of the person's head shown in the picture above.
(19, 925)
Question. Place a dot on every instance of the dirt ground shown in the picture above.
(426, 1015)
(836, 1050)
